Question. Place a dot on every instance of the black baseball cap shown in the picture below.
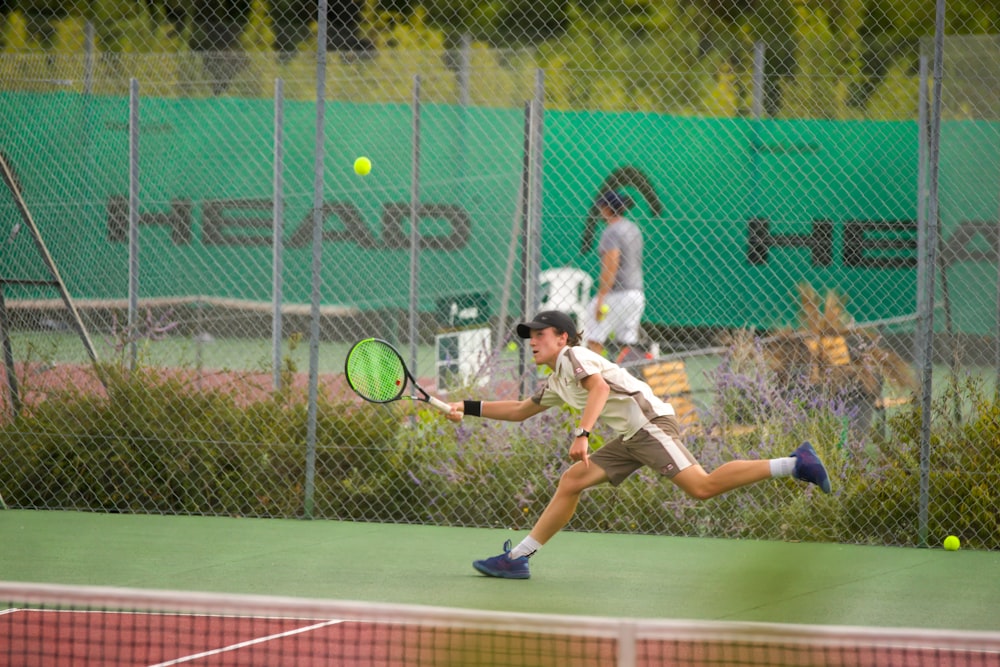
(614, 200)
(545, 319)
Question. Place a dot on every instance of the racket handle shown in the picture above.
(439, 404)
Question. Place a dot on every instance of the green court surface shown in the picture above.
(576, 573)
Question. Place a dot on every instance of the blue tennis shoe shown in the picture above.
(503, 566)
(809, 468)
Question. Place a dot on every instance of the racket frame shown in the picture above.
(423, 394)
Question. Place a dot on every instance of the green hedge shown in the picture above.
(159, 444)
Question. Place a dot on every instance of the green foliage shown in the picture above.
(480, 473)
(838, 60)
(882, 502)
(157, 442)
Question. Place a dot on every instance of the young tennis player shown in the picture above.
(647, 434)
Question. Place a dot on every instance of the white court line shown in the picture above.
(259, 640)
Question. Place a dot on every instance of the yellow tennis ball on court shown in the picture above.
(951, 543)
(362, 166)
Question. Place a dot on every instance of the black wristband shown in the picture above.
(473, 408)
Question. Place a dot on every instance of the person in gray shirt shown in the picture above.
(616, 310)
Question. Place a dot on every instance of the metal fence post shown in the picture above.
(933, 164)
(278, 212)
(133, 223)
(317, 263)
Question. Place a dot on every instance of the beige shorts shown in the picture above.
(657, 445)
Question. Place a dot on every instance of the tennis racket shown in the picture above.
(377, 373)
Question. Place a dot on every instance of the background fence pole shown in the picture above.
(933, 163)
(535, 185)
(133, 223)
(414, 223)
(533, 217)
(278, 212)
(317, 262)
(922, 268)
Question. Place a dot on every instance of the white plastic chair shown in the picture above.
(567, 289)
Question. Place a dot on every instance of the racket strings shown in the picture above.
(375, 371)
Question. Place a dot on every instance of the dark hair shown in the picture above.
(616, 201)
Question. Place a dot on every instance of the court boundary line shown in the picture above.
(249, 642)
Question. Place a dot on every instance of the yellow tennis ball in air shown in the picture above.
(511, 346)
(362, 166)
(605, 308)
(951, 543)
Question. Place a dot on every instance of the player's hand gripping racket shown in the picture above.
(375, 370)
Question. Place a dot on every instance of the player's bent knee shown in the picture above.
(580, 477)
(695, 483)
(570, 483)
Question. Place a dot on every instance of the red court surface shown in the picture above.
(57, 638)
(48, 638)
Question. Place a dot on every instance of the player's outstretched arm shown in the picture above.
(513, 411)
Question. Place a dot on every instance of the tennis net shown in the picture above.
(52, 625)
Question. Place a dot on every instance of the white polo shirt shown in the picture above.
(630, 405)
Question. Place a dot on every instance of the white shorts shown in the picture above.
(620, 323)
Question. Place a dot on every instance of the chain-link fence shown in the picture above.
(177, 206)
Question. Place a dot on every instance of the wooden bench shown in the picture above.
(829, 350)
(833, 351)
(669, 381)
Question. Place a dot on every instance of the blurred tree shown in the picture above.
(172, 12)
(39, 16)
(732, 26)
(529, 22)
(659, 55)
(212, 29)
(891, 31)
(120, 25)
(499, 23)
(292, 22)
(215, 25)
(343, 21)
(41, 8)
(882, 40)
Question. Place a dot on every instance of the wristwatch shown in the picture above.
(580, 433)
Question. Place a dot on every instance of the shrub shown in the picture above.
(882, 502)
(157, 442)
(154, 442)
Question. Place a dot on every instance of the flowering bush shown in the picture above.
(161, 442)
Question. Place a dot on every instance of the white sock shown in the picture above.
(783, 467)
(527, 547)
